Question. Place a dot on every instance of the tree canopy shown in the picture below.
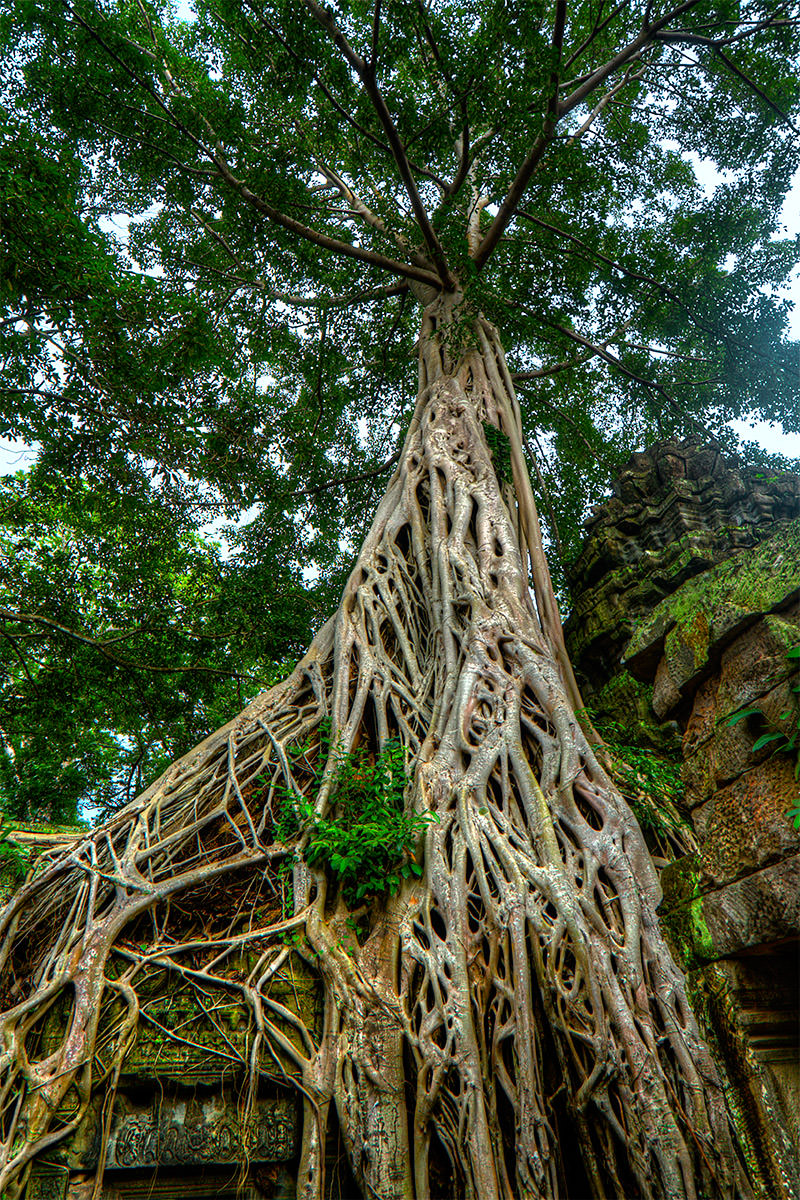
(293, 177)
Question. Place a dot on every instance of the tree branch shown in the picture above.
(332, 483)
(614, 361)
(393, 266)
(522, 179)
(599, 26)
(646, 36)
(605, 100)
(274, 215)
(731, 65)
(366, 74)
(376, 29)
(75, 635)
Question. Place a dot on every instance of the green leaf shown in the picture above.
(766, 738)
(740, 716)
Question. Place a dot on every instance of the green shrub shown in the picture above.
(13, 857)
(367, 843)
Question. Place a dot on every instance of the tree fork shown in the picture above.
(535, 910)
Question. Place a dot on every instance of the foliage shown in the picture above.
(782, 742)
(13, 857)
(650, 782)
(640, 767)
(125, 637)
(369, 843)
(209, 340)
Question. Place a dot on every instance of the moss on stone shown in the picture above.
(681, 912)
(751, 582)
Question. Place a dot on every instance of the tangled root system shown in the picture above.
(513, 1002)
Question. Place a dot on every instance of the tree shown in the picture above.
(124, 640)
(451, 170)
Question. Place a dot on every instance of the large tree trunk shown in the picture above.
(514, 1001)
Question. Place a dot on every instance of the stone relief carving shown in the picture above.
(47, 1184)
(171, 1137)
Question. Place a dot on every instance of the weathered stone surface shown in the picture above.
(779, 709)
(677, 509)
(681, 912)
(697, 773)
(666, 696)
(48, 1183)
(692, 627)
(759, 910)
(752, 1005)
(701, 723)
(755, 665)
(271, 1182)
(744, 826)
(726, 755)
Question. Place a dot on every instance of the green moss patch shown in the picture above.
(709, 609)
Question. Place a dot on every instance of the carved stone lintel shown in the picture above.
(185, 1130)
(179, 1132)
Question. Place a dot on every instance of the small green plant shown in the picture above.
(651, 784)
(500, 448)
(367, 844)
(640, 769)
(781, 742)
(13, 857)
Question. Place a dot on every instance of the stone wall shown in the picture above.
(676, 510)
(688, 601)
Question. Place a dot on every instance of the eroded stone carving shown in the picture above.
(177, 1131)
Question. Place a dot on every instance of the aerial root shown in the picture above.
(515, 999)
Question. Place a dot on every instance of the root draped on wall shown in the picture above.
(513, 1001)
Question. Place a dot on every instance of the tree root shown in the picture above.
(517, 995)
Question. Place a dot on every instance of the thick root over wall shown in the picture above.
(509, 1011)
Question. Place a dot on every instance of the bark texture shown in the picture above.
(515, 1001)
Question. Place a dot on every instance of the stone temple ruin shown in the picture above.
(685, 601)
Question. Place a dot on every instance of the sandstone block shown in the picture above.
(757, 662)
(744, 826)
(697, 773)
(702, 721)
(666, 696)
(755, 911)
(725, 756)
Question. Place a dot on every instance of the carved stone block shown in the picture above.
(183, 1130)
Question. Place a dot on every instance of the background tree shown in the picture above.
(126, 639)
(451, 171)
